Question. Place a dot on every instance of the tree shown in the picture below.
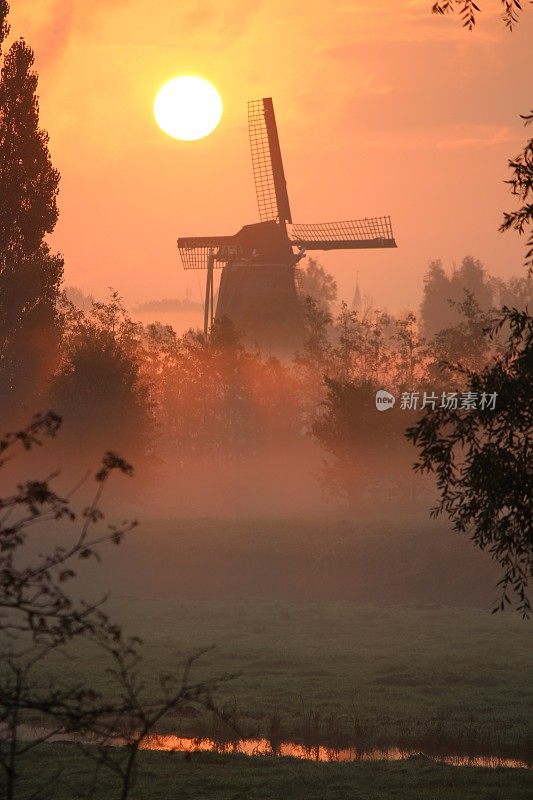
(81, 301)
(42, 620)
(362, 346)
(99, 390)
(318, 284)
(217, 400)
(517, 292)
(368, 456)
(409, 365)
(435, 309)
(468, 10)
(521, 184)
(30, 275)
(313, 361)
(366, 448)
(482, 458)
(464, 343)
(443, 295)
(471, 277)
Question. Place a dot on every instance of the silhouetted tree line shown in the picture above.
(167, 400)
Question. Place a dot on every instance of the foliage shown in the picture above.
(213, 397)
(168, 305)
(482, 459)
(363, 348)
(30, 274)
(79, 300)
(516, 292)
(318, 284)
(99, 389)
(313, 361)
(361, 354)
(521, 184)
(408, 368)
(468, 10)
(466, 343)
(41, 617)
(443, 294)
(364, 450)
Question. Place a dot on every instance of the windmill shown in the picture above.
(258, 288)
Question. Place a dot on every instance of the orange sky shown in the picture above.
(382, 108)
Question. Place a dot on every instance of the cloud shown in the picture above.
(60, 20)
(431, 138)
(227, 19)
(485, 139)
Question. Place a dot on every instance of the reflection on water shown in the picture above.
(262, 747)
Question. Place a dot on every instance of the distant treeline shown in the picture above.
(167, 305)
(171, 402)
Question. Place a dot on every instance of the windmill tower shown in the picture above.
(258, 285)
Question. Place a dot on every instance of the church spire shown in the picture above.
(356, 304)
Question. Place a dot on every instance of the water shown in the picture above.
(262, 747)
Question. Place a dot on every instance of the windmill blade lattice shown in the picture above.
(350, 234)
(269, 176)
(195, 251)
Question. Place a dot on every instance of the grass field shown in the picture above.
(341, 634)
(167, 776)
(397, 674)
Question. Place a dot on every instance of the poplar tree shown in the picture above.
(30, 274)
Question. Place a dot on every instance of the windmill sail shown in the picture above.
(195, 250)
(269, 176)
(350, 234)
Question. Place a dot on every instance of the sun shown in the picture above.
(188, 108)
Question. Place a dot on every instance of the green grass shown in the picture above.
(167, 776)
(400, 672)
(346, 633)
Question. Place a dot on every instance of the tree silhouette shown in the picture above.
(465, 343)
(318, 284)
(435, 309)
(482, 459)
(443, 294)
(30, 274)
(521, 184)
(99, 390)
(511, 10)
(42, 619)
